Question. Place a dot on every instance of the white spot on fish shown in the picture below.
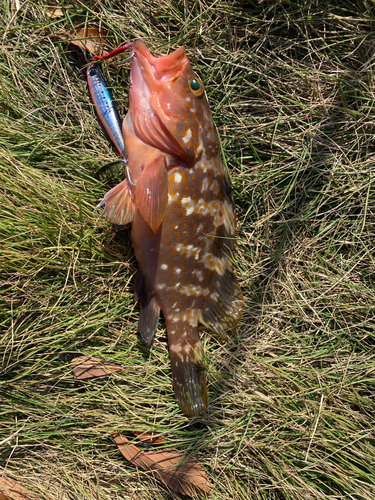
(177, 178)
(189, 204)
(190, 250)
(215, 187)
(177, 270)
(186, 200)
(214, 263)
(177, 348)
(186, 138)
(173, 197)
(164, 267)
(194, 290)
(209, 166)
(198, 274)
(205, 184)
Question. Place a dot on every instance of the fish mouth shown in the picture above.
(159, 68)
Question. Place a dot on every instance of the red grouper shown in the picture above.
(179, 201)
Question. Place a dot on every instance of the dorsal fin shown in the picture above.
(222, 310)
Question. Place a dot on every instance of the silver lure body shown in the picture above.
(105, 107)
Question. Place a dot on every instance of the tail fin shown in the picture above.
(189, 378)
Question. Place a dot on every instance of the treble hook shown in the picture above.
(128, 174)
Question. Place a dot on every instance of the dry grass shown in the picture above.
(291, 416)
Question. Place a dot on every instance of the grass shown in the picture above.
(291, 416)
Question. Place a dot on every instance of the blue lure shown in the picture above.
(105, 107)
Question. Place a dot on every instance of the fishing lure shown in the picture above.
(105, 107)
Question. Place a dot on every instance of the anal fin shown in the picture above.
(149, 309)
(148, 320)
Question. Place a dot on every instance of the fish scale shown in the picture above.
(183, 221)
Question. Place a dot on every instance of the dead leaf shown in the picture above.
(54, 11)
(15, 6)
(11, 490)
(179, 473)
(87, 39)
(85, 367)
(148, 437)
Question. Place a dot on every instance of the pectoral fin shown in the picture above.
(119, 206)
(151, 193)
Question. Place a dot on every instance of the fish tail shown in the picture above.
(189, 377)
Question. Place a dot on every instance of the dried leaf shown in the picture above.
(54, 12)
(11, 490)
(15, 6)
(87, 39)
(148, 437)
(179, 473)
(85, 367)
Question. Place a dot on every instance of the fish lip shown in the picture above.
(165, 67)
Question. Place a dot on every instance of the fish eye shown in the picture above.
(93, 72)
(196, 86)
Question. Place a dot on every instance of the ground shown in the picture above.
(291, 414)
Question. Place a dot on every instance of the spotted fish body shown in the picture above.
(182, 213)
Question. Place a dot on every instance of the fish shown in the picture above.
(179, 201)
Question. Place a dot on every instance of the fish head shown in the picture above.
(168, 106)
